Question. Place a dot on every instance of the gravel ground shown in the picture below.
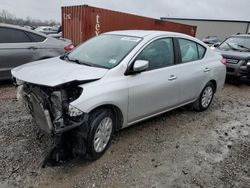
(181, 148)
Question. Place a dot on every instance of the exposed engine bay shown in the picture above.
(52, 112)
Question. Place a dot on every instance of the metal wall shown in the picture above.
(80, 23)
(221, 29)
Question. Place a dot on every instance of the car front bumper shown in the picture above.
(49, 119)
(238, 70)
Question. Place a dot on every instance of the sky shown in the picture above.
(206, 9)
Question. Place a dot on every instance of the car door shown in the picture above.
(156, 89)
(16, 48)
(192, 69)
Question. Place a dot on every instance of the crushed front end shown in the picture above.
(54, 115)
(50, 107)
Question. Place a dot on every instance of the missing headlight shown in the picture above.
(74, 112)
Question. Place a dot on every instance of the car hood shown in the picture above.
(234, 54)
(53, 72)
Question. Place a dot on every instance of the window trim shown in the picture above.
(179, 49)
(200, 58)
(129, 70)
(32, 39)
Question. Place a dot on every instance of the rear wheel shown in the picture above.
(102, 127)
(205, 99)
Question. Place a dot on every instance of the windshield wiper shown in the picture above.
(66, 57)
(73, 60)
(77, 61)
(242, 46)
(231, 47)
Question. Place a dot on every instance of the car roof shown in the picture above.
(144, 33)
(240, 35)
(212, 36)
(21, 28)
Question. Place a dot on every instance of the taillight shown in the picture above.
(223, 61)
(69, 48)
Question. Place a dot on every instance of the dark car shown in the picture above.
(210, 40)
(236, 50)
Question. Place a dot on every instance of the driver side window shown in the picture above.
(159, 54)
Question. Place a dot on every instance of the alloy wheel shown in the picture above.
(103, 134)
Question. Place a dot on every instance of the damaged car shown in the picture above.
(115, 80)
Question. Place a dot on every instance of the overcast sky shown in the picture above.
(214, 9)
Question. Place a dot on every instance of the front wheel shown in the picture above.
(205, 98)
(102, 127)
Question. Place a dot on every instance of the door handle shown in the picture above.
(172, 77)
(206, 70)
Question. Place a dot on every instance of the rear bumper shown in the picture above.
(5, 74)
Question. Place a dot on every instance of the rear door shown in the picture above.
(16, 48)
(193, 72)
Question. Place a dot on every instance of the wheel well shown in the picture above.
(215, 84)
(117, 113)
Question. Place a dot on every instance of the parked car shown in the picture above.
(29, 27)
(57, 35)
(19, 45)
(115, 80)
(47, 30)
(210, 40)
(236, 50)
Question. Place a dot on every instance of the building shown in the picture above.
(219, 28)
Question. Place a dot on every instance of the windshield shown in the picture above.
(236, 43)
(105, 51)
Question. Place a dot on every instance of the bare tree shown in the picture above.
(9, 18)
(6, 17)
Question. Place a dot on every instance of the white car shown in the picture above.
(115, 80)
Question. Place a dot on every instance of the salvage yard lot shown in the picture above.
(181, 148)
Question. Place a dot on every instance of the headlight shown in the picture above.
(73, 111)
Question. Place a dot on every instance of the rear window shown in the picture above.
(191, 51)
(35, 37)
(9, 35)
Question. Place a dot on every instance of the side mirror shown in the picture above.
(216, 44)
(140, 65)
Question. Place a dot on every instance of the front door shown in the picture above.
(155, 89)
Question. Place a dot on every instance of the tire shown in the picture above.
(202, 104)
(233, 80)
(101, 124)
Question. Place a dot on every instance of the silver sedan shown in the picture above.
(19, 45)
(116, 80)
